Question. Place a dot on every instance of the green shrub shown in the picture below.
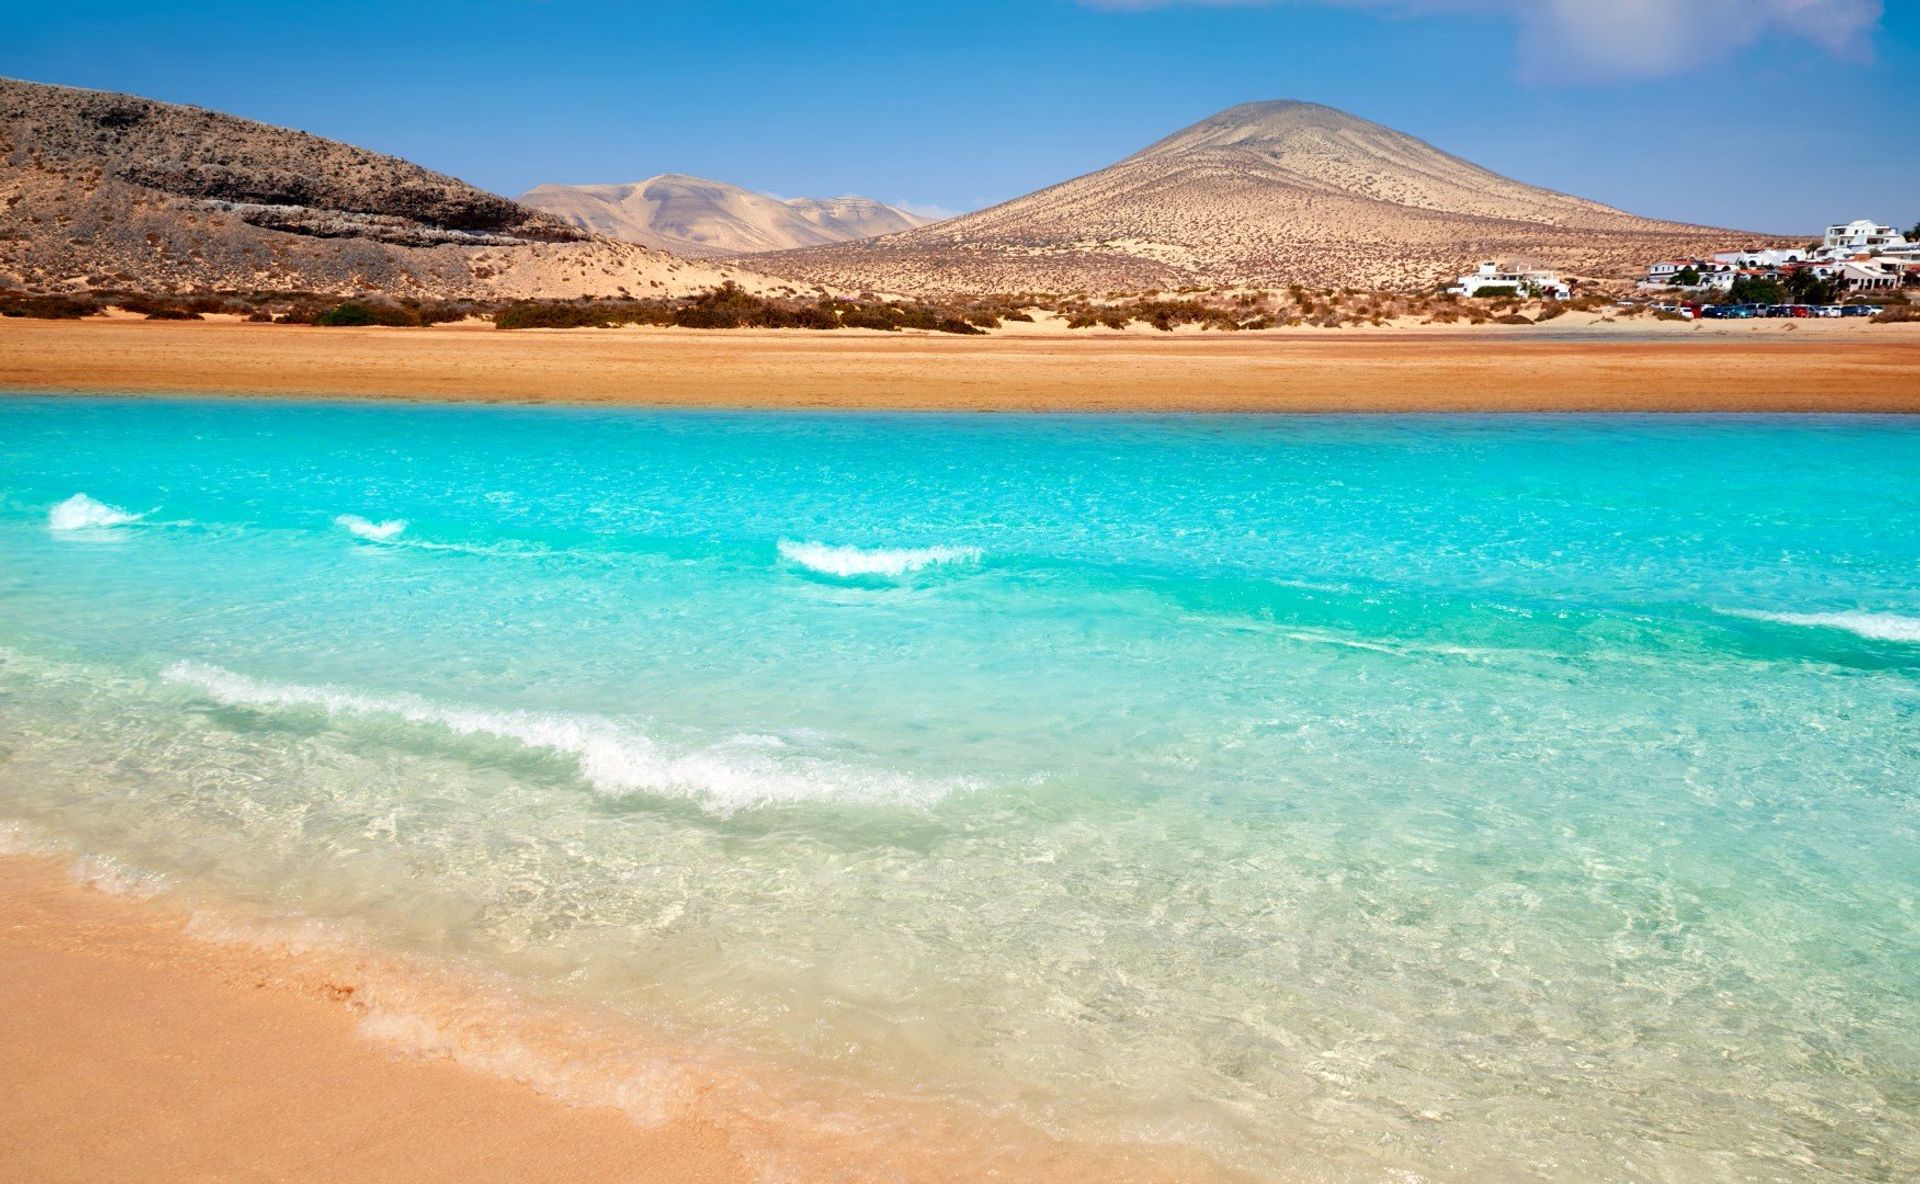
(174, 314)
(1747, 290)
(1496, 292)
(354, 313)
(346, 315)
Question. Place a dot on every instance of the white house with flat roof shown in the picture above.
(1857, 277)
(1863, 237)
(1767, 257)
(1524, 283)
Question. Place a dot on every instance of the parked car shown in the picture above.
(1829, 310)
(1860, 310)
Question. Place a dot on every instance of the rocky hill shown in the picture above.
(693, 216)
(1261, 194)
(101, 190)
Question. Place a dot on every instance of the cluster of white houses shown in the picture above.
(1860, 256)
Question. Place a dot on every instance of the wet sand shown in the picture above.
(171, 1041)
(1819, 366)
(129, 1052)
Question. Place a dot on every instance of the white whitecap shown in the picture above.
(1876, 626)
(617, 759)
(876, 561)
(81, 512)
(378, 532)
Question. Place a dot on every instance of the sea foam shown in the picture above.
(377, 532)
(1876, 626)
(81, 512)
(877, 561)
(616, 759)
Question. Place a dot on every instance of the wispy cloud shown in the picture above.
(1585, 41)
(921, 209)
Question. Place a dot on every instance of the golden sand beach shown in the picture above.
(1829, 366)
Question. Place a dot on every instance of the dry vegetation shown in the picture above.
(1264, 194)
(728, 306)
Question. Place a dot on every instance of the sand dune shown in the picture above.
(692, 216)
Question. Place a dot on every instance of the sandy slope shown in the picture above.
(696, 217)
(1261, 194)
(1844, 367)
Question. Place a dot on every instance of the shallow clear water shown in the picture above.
(1355, 798)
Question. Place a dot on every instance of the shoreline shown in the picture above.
(1837, 368)
(134, 1052)
(151, 1035)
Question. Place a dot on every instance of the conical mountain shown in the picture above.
(1263, 193)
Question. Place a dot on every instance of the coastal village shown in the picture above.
(1854, 261)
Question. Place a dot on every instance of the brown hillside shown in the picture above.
(105, 190)
(1262, 194)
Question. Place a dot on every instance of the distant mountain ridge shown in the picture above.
(1261, 194)
(106, 190)
(694, 216)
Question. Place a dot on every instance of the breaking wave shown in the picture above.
(81, 512)
(616, 759)
(377, 532)
(1876, 626)
(877, 561)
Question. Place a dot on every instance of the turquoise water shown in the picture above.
(1342, 798)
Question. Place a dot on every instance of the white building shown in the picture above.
(1524, 283)
(1863, 237)
(1720, 276)
(1857, 277)
(1665, 273)
(1768, 257)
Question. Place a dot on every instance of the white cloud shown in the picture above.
(921, 209)
(1607, 40)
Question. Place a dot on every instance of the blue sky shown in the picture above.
(1763, 114)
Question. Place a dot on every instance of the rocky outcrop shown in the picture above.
(103, 190)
